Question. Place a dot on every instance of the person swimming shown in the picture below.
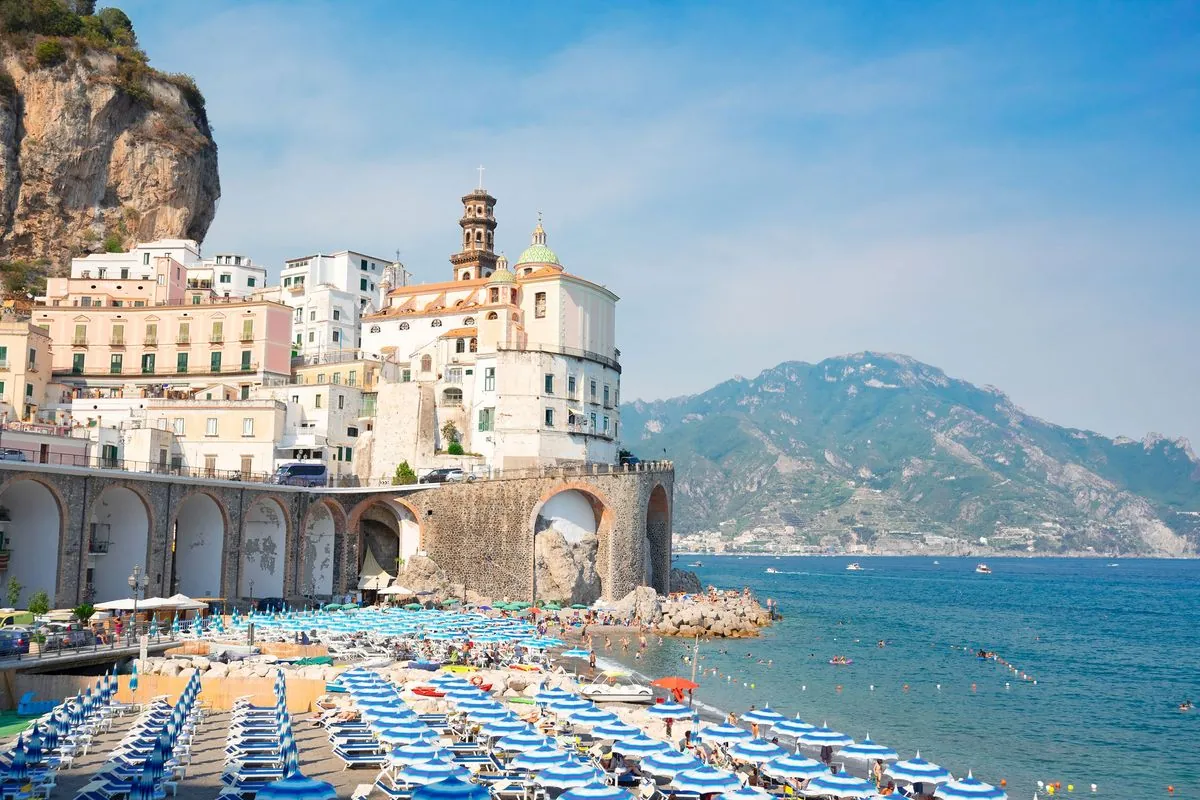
(1186, 705)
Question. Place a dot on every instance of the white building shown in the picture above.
(329, 294)
(228, 275)
(521, 362)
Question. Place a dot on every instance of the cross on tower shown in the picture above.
(480, 168)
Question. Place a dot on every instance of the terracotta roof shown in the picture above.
(456, 332)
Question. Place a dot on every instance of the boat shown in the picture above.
(855, 567)
(614, 686)
(983, 569)
(772, 571)
(841, 661)
(936, 562)
(428, 691)
(1113, 564)
(695, 564)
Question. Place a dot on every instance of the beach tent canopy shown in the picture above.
(183, 603)
(400, 590)
(127, 604)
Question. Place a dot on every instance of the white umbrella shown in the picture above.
(401, 590)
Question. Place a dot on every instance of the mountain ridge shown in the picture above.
(880, 451)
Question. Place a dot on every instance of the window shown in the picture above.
(468, 320)
(494, 295)
(570, 386)
(145, 259)
(606, 395)
(185, 333)
(177, 426)
(4, 355)
(549, 384)
(320, 377)
(539, 305)
(225, 278)
(136, 303)
(148, 364)
(312, 316)
(352, 378)
(247, 330)
(473, 345)
(337, 314)
(295, 399)
(245, 391)
(341, 401)
(181, 362)
(375, 329)
(103, 272)
(437, 323)
(489, 379)
(454, 375)
(250, 281)
(592, 390)
(247, 426)
(152, 333)
(80, 335)
(405, 375)
(337, 336)
(246, 360)
(316, 400)
(485, 418)
(452, 396)
(363, 265)
(118, 334)
(28, 390)
(312, 336)
(77, 363)
(195, 299)
(604, 430)
(351, 432)
(403, 326)
(115, 362)
(362, 284)
(337, 379)
(460, 346)
(210, 426)
(426, 363)
(592, 421)
(493, 315)
(549, 417)
(299, 315)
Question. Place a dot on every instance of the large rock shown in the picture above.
(422, 574)
(567, 571)
(683, 580)
(641, 605)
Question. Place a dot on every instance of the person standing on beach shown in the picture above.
(877, 773)
(670, 724)
(592, 662)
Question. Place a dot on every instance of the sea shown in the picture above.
(1093, 658)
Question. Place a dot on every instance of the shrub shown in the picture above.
(112, 244)
(450, 432)
(83, 612)
(8, 87)
(49, 53)
(404, 475)
(14, 592)
(40, 603)
(455, 449)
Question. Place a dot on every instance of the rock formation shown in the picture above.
(683, 580)
(422, 574)
(92, 158)
(642, 605)
(567, 572)
(731, 616)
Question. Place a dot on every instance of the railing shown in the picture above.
(79, 341)
(216, 338)
(575, 352)
(183, 340)
(335, 357)
(58, 646)
(226, 369)
(151, 341)
(98, 548)
(122, 465)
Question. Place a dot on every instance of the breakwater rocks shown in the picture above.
(724, 614)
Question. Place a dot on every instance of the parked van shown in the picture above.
(300, 474)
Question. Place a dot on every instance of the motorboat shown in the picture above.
(983, 569)
(772, 571)
(614, 686)
(854, 567)
(695, 564)
(936, 562)
(1113, 564)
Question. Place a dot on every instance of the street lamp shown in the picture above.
(138, 582)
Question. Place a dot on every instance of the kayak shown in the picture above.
(430, 666)
(428, 691)
(527, 667)
(460, 668)
(524, 700)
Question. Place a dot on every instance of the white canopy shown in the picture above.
(183, 603)
(127, 604)
(401, 590)
(373, 576)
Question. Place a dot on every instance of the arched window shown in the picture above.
(492, 315)
(474, 345)
(403, 326)
(426, 363)
(466, 238)
(374, 329)
(478, 235)
(452, 395)
(437, 323)
(460, 346)
(466, 276)
(469, 321)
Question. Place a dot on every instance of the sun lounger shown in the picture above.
(359, 758)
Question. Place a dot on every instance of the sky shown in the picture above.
(1008, 191)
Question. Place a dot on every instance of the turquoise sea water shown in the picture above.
(1114, 650)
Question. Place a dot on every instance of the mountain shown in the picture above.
(879, 452)
(97, 149)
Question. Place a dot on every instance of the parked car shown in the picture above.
(12, 454)
(302, 474)
(445, 475)
(13, 642)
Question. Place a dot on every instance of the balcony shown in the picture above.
(117, 341)
(225, 369)
(4, 364)
(98, 548)
(216, 338)
(247, 336)
(296, 288)
(151, 341)
(79, 341)
(199, 284)
(183, 340)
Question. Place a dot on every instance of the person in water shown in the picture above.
(1186, 705)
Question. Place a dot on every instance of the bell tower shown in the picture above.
(477, 259)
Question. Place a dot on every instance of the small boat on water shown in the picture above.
(614, 686)
(772, 571)
(841, 661)
(983, 569)
(1113, 564)
(936, 562)
(695, 564)
(854, 567)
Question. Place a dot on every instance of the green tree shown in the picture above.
(40, 603)
(83, 612)
(455, 449)
(404, 475)
(53, 18)
(84, 8)
(450, 432)
(14, 591)
(49, 53)
(112, 243)
(118, 25)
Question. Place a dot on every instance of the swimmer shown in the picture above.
(1186, 705)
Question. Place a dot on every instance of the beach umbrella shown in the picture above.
(796, 766)
(545, 696)
(143, 787)
(746, 793)
(756, 750)
(133, 679)
(824, 736)
(723, 734)
(969, 788)
(568, 705)
(669, 763)
(484, 703)
(763, 716)
(593, 791)
(614, 730)
(639, 745)
(675, 683)
(841, 785)
(18, 768)
(521, 741)
(793, 727)
(866, 750)
(918, 770)
(706, 780)
(670, 710)
(296, 787)
(539, 758)
(504, 727)
(425, 772)
(576, 652)
(568, 774)
(33, 747)
(592, 716)
(404, 736)
(419, 752)
(451, 788)
(488, 714)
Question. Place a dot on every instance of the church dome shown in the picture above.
(538, 252)
(502, 274)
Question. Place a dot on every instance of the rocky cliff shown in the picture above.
(97, 151)
(881, 452)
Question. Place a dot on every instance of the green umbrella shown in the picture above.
(413, 606)
(580, 606)
(553, 607)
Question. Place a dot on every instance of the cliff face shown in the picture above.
(82, 160)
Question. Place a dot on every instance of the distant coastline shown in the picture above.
(678, 554)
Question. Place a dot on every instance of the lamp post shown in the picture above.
(138, 581)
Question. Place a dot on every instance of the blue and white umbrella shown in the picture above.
(417, 753)
(592, 716)
(795, 766)
(706, 780)
(969, 788)
(540, 758)
(918, 770)
(133, 678)
(577, 652)
(568, 774)
(840, 785)
(746, 793)
(866, 750)
(546, 695)
(451, 788)
(488, 714)
(297, 787)
(404, 736)
(793, 727)
(593, 791)
(669, 763)
(824, 736)
(670, 710)
(763, 716)
(639, 745)
(569, 705)
(477, 704)
(505, 727)
(756, 750)
(723, 734)
(521, 741)
(614, 730)
(425, 772)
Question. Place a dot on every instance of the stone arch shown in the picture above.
(34, 535)
(198, 531)
(384, 529)
(323, 527)
(265, 534)
(657, 560)
(571, 527)
(118, 532)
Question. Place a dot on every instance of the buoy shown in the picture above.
(1170, 790)
(906, 687)
(972, 687)
(1093, 787)
(1070, 787)
(1003, 782)
(872, 687)
(752, 686)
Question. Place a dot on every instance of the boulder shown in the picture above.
(567, 570)
(683, 580)
(641, 605)
(170, 668)
(201, 663)
(217, 670)
(422, 574)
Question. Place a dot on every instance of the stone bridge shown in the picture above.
(77, 532)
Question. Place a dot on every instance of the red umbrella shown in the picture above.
(676, 685)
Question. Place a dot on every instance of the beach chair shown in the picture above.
(362, 791)
(359, 758)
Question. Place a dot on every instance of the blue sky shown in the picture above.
(1006, 190)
